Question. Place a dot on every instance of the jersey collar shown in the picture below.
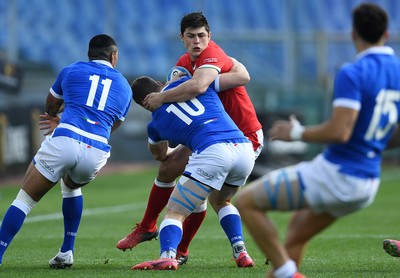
(376, 50)
(103, 62)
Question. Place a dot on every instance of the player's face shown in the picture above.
(195, 41)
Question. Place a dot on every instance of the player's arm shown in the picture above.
(202, 78)
(48, 123)
(338, 129)
(116, 125)
(237, 76)
(53, 106)
(159, 150)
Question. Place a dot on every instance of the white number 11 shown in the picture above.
(93, 88)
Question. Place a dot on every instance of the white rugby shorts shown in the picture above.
(328, 190)
(221, 163)
(60, 155)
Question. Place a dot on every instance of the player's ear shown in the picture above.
(114, 58)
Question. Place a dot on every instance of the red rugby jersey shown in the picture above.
(236, 101)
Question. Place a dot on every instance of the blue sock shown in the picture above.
(12, 223)
(170, 235)
(72, 211)
(229, 218)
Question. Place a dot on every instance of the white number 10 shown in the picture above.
(174, 109)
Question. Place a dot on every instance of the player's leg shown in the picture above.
(193, 222)
(43, 173)
(190, 227)
(80, 174)
(230, 221)
(303, 225)
(72, 208)
(160, 192)
(187, 195)
(34, 187)
(278, 190)
(169, 170)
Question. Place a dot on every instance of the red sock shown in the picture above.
(190, 227)
(157, 201)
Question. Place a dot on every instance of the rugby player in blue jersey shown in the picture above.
(345, 177)
(220, 164)
(96, 99)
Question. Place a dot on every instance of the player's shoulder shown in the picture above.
(350, 69)
(75, 65)
(213, 47)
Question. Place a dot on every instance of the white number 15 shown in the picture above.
(385, 105)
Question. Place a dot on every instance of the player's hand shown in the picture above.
(281, 130)
(48, 123)
(152, 101)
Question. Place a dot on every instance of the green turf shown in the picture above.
(113, 203)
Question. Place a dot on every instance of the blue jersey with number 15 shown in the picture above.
(370, 85)
(95, 96)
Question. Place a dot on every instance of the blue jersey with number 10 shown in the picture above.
(371, 85)
(196, 123)
(95, 96)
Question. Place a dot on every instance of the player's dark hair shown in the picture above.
(101, 47)
(370, 21)
(142, 86)
(194, 20)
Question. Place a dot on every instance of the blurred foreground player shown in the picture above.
(96, 99)
(346, 176)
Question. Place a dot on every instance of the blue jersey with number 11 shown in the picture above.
(95, 96)
(370, 85)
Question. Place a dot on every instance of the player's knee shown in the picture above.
(238, 203)
(242, 200)
(70, 184)
(217, 203)
(200, 208)
(68, 192)
(169, 171)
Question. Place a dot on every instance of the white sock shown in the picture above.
(288, 269)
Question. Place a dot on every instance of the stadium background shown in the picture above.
(292, 49)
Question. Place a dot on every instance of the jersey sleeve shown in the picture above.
(128, 101)
(56, 89)
(215, 84)
(347, 91)
(214, 57)
(153, 136)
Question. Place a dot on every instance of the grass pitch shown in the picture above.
(113, 203)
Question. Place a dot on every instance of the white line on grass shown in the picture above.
(388, 175)
(86, 212)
